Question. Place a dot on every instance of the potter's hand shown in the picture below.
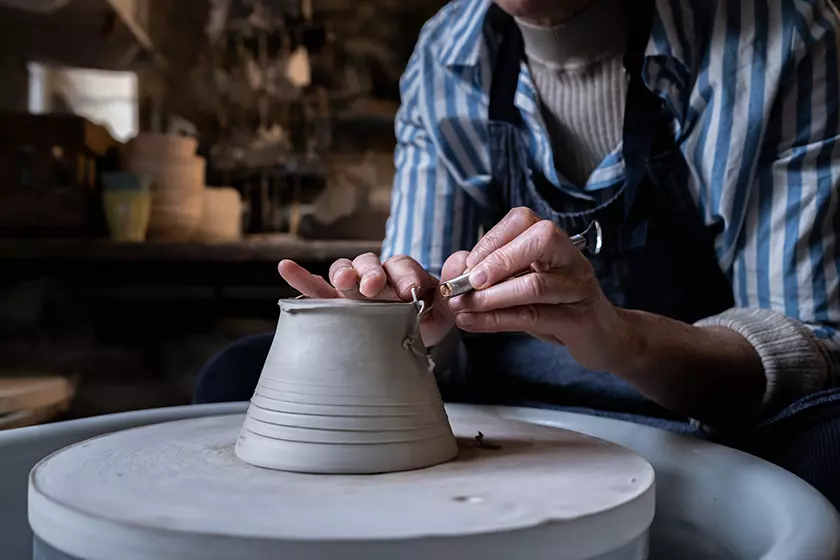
(559, 300)
(367, 277)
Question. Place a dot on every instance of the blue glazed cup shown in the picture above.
(126, 198)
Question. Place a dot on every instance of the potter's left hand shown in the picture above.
(559, 300)
(366, 277)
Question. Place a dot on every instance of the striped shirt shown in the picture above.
(753, 86)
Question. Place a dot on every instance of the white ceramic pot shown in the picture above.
(346, 388)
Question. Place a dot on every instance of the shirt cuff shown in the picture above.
(794, 363)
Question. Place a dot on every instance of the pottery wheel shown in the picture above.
(177, 490)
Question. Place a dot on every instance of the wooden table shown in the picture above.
(26, 401)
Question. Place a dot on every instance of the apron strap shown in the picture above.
(506, 72)
(641, 114)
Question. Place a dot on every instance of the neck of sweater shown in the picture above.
(592, 35)
(578, 72)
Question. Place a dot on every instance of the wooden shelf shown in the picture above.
(73, 34)
(261, 248)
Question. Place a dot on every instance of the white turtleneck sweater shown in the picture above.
(578, 71)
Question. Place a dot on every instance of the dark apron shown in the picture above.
(658, 255)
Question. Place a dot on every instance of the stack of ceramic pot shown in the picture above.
(346, 388)
(177, 183)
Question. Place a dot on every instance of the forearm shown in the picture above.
(711, 374)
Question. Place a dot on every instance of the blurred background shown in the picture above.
(157, 159)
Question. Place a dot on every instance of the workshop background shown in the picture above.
(158, 158)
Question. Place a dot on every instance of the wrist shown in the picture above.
(605, 338)
(631, 348)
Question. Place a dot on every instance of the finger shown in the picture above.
(303, 281)
(343, 276)
(546, 288)
(542, 243)
(559, 324)
(454, 266)
(372, 278)
(514, 224)
(526, 318)
(404, 273)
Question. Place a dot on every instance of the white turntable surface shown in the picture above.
(177, 490)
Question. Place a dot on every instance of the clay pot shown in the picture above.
(175, 215)
(158, 145)
(177, 187)
(346, 388)
(169, 173)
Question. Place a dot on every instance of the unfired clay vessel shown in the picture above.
(347, 388)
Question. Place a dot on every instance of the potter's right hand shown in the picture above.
(367, 277)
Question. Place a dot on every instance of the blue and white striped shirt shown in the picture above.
(753, 85)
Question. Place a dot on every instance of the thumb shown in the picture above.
(404, 273)
(454, 266)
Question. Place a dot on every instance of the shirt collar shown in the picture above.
(469, 17)
(467, 31)
(674, 37)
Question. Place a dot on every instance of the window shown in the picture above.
(105, 97)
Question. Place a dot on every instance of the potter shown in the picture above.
(698, 134)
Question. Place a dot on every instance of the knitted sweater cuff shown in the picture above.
(794, 362)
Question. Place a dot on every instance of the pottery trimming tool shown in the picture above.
(461, 284)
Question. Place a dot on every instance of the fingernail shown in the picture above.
(470, 262)
(478, 278)
(342, 273)
(464, 320)
(364, 284)
(456, 304)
